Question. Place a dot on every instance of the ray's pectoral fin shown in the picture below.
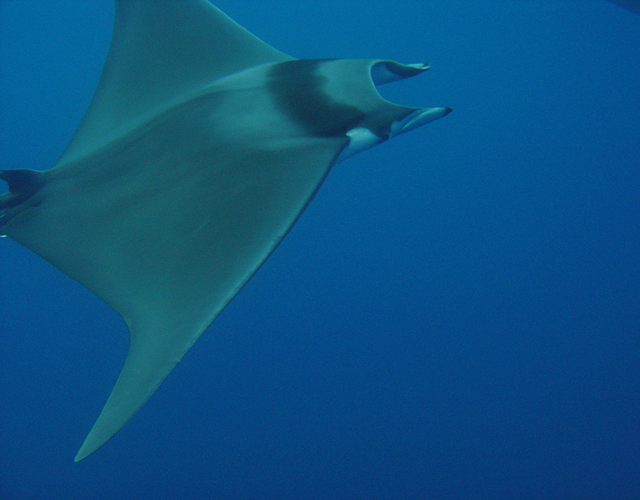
(155, 349)
(176, 279)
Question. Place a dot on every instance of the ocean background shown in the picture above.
(455, 316)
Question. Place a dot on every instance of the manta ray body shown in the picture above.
(199, 151)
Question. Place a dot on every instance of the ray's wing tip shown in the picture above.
(81, 455)
(89, 446)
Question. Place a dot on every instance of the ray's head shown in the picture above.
(338, 98)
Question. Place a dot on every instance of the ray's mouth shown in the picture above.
(388, 120)
(383, 72)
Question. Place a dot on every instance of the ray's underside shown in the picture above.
(199, 151)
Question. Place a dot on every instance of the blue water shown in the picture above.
(456, 315)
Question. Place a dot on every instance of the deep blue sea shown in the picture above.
(455, 316)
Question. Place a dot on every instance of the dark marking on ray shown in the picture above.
(298, 89)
